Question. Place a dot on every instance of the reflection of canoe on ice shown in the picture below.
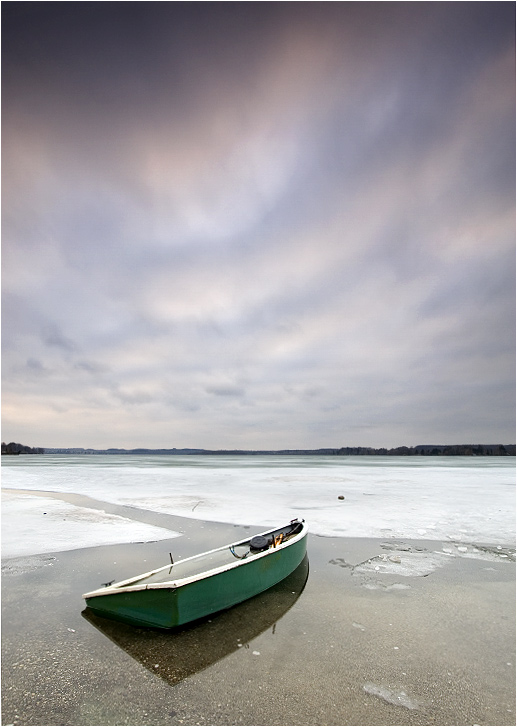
(178, 593)
(178, 654)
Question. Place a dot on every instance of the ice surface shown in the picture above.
(33, 525)
(456, 500)
(406, 564)
(392, 696)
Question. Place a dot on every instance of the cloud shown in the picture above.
(225, 390)
(300, 229)
(34, 365)
(52, 336)
(92, 367)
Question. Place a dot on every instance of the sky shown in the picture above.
(258, 225)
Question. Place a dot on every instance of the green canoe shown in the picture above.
(179, 593)
(177, 654)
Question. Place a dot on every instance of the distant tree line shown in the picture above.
(426, 450)
(15, 448)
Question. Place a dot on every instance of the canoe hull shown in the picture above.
(168, 606)
(178, 654)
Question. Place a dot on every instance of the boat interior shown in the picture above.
(220, 557)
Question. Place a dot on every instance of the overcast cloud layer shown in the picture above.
(258, 225)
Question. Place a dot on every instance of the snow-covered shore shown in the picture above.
(461, 500)
(32, 525)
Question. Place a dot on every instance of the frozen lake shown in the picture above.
(460, 499)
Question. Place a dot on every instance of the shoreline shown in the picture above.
(174, 525)
(383, 632)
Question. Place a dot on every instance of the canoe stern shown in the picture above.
(144, 607)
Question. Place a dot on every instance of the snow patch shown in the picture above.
(33, 525)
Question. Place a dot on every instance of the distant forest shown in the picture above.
(14, 448)
(425, 450)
